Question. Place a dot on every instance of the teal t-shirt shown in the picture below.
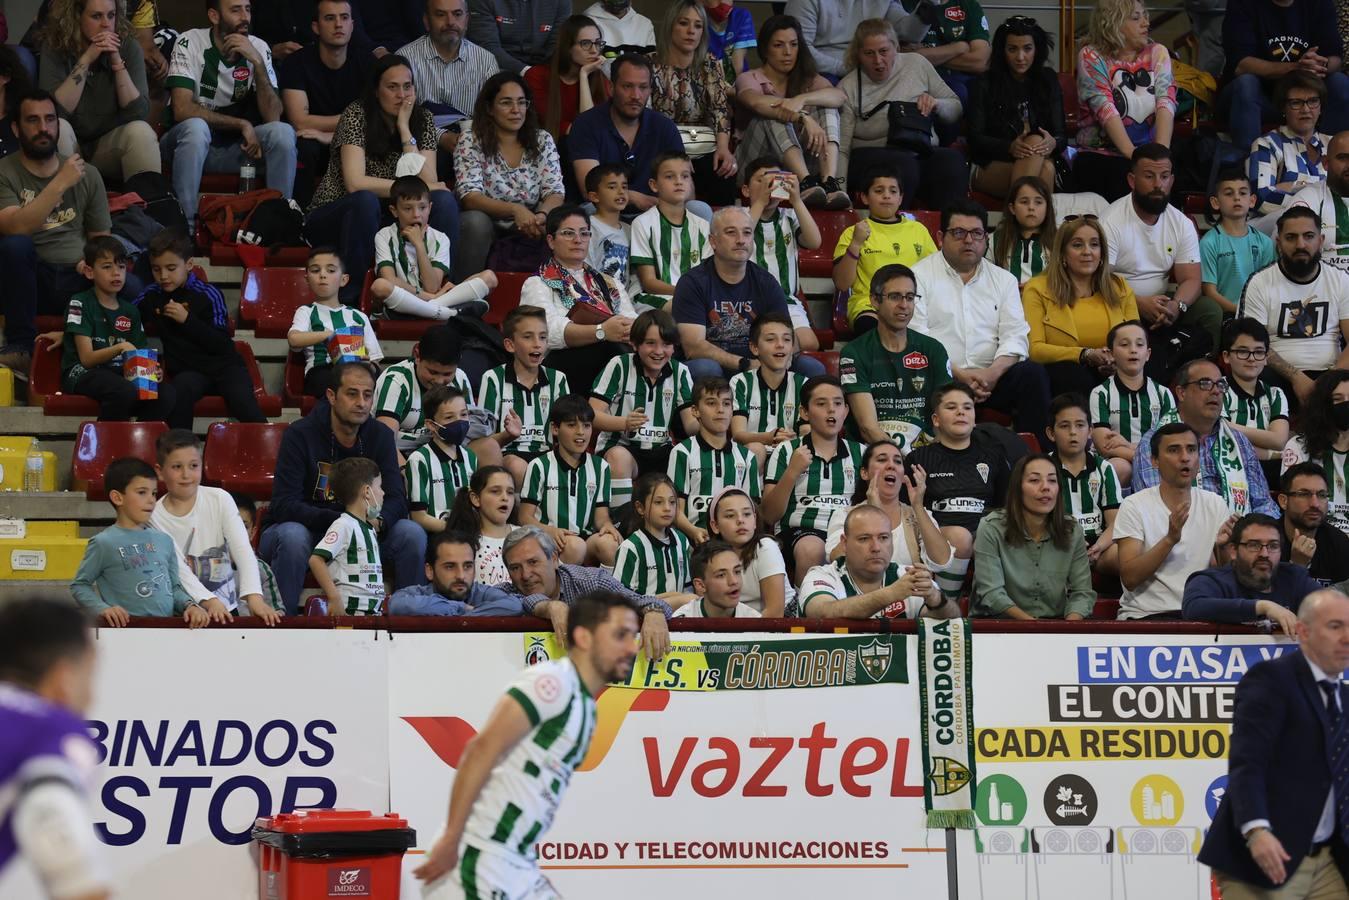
(1229, 262)
(134, 568)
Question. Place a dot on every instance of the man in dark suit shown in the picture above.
(1282, 827)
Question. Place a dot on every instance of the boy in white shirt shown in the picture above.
(610, 236)
(780, 233)
(717, 576)
(346, 562)
(667, 239)
(316, 324)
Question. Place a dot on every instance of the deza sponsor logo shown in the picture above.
(817, 762)
(131, 799)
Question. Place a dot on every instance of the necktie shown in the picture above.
(1339, 755)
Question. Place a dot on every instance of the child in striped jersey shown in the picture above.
(654, 560)
(1126, 406)
(1256, 409)
(1088, 484)
(709, 461)
(412, 261)
(718, 578)
(780, 233)
(345, 562)
(315, 323)
(1022, 239)
(765, 400)
(636, 399)
(488, 511)
(436, 472)
(667, 239)
(567, 490)
(521, 392)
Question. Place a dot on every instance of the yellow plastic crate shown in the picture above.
(18, 443)
(12, 463)
(6, 387)
(41, 559)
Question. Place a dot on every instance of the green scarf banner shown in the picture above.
(946, 700)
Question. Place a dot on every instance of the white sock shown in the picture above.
(473, 289)
(401, 300)
(620, 492)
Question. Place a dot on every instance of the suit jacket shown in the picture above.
(1053, 328)
(1278, 768)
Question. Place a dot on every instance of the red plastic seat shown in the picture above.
(932, 219)
(271, 296)
(829, 358)
(228, 255)
(293, 389)
(505, 297)
(1106, 608)
(241, 456)
(214, 406)
(1031, 441)
(842, 327)
(44, 385)
(819, 263)
(99, 443)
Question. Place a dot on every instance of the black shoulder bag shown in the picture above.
(909, 130)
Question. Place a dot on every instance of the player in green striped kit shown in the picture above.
(766, 400)
(709, 461)
(315, 324)
(521, 393)
(811, 478)
(1256, 409)
(780, 233)
(398, 392)
(1129, 404)
(667, 239)
(511, 777)
(654, 560)
(567, 490)
(435, 473)
(1088, 484)
(345, 562)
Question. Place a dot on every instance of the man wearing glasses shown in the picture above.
(1257, 584)
(1304, 304)
(1227, 463)
(1309, 538)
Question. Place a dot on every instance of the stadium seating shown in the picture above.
(214, 407)
(1031, 441)
(293, 390)
(819, 263)
(241, 457)
(828, 358)
(44, 385)
(269, 297)
(99, 443)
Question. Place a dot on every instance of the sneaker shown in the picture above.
(16, 357)
(477, 308)
(812, 191)
(835, 196)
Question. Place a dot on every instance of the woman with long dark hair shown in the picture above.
(573, 81)
(1016, 123)
(507, 174)
(1322, 437)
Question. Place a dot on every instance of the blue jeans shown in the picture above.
(349, 223)
(189, 148)
(286, 547)
(1247, 101)
(808, 366)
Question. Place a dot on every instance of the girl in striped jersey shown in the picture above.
(733, 517)
(1322, 437)
(1129, 404)
(654, 560)
(1022, 239)
(488, 511)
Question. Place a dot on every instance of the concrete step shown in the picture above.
(61, 505)
(47, 589)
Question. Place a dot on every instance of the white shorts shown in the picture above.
(487, 876)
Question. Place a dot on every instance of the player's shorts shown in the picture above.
(490, 876)
(527, 455)
(657, 459)
(791, 536)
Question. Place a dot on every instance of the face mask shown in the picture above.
(373, 510)
(720, 13)
(454, 433)
(1340, 414)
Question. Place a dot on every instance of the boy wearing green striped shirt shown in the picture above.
(1088, 484)
(710, 461)
(567, 490)
(1256, 409)
(436, 472)
(766, 399)
(521, 393)
(1127, 405)
(718, 575)
(316, 324)
(667, 239)
(654, 560)
(780, 233)
(345, 562)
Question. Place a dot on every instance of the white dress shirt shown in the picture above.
(977, 321)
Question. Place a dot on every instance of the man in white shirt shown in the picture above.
(973, 308)
(1168, 531)
(1152, 243)
(623, 28)
(1327, 198)
(1304, 304)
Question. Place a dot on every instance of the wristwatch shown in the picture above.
(412, 141)
(599, 333)
(1184, 307)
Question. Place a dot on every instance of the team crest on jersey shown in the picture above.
(668, 394)
(915, 360)
(123, 323)
(848, 470)
(982, 469)
(1094, 482)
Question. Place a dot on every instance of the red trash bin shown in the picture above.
(315, 854)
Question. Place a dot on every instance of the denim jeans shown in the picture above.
(189, 148)
(808, 366)
(1247, 101)
(286, 547)
(32, 286)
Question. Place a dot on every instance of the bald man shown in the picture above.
(1281, 826)
(717, 300)
(1326, 197)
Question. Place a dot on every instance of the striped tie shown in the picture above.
(1339, 755)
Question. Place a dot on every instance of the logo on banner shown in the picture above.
(536, 652)
(948, 776)
(875, 659)
(1156, 800)
(1001, 800)
(349, 882)
(1070, 800)
(1213, 795)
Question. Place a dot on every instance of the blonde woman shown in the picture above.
(1072, 306)
(95, 68)
(1127, 95)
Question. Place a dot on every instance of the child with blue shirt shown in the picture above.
(1233, 251)
(129, 570)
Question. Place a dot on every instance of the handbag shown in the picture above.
(909, 129)
(699, 140)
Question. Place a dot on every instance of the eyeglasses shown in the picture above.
(513, 103)
(592, 45)
(1091, 217)
(1250, 353)
(897, 297)
(1299, 103)
(961, 233)
(1271, 548)
(1307, 495)
(1207, 384)
(571, 234)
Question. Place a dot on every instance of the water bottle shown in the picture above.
(33, 469)
(248, 177)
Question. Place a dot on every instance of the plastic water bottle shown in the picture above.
(248, 178)
(33, 469)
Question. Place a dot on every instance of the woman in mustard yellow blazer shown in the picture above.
(1072, 306)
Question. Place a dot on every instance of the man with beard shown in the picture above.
(500, 805)
(223, 94)
(49, 207)
(317, 83)
(519, 33)
(1151, 243)
(447, 67)
(452, 590)
(1327, 199)
(1257, 585)
(1304, 304)
(1308, 539)
(623, 28)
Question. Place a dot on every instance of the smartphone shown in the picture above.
(780, 191)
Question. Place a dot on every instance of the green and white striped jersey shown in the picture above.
(766, 408)
(775, 247)
(351, 549)
(1337, 475)
(1258, 411)
(434, 477)
(672, 249)
(1026, 260)
(396, 251)
(317, 317)
(625, 387)
(502, 391)
(648, 566)
(825, 488)
(1088, 494)
(520, 798)
(831, 581)
(398, 395)
(567, 498)
(700, 470)
(1131, 413)
(215, 82)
